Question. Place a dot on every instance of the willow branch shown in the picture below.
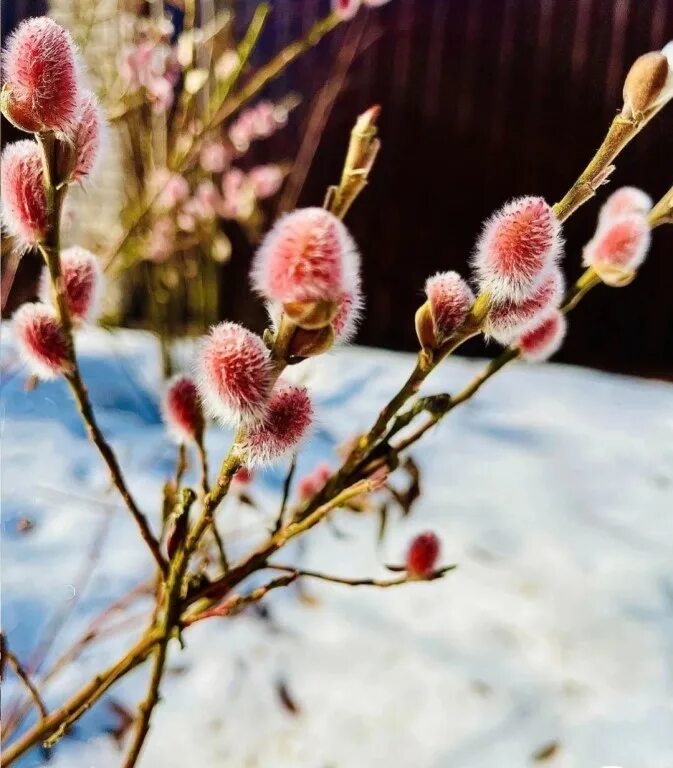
(287, 485)
(55, 724)
(621, 131)
(79, 390)
(440, 405)
(237, 602)
(171, 612)
(51, 252)
(259, 557)
(619, 134)
(11, 659)
(381, 583)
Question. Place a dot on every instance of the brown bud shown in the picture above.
(311, 314)
(644, 83)
(306, 343)
(425, 327)
(18, 113)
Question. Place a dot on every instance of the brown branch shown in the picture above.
(12, 718)
(55, 724)
(205, 487)
(167, 624)
(237, 602)
(381, 583)
(147, 707)
(319, 115)
(621, 131)
(79, 390)
(287, 484)
(51, 252)
(10, 658)
(259, 558)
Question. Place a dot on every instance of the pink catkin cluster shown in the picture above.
(314, 482)
(507, 320)
(182, 410)
(545, 338)
(288, 418)
(41, 341)
(516, 249)
(450, 300)
(87, 137)
(624, 201)
(622, 238)
(349, 311)
(83, 279)
(153, 67)
(307, 256)
(422, 555)
(24, 200)
(256, 122)
(41, 82)
(234, 374)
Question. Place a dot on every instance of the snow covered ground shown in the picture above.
(553, 491)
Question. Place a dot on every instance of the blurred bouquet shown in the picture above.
(177, 175)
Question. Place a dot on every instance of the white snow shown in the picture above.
(552, 491)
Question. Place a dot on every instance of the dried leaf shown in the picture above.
(406, 498)
(286, 699)
(123, 717)
(546, 751)
(24, 525)
(383, 521)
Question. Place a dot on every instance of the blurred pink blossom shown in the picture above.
(239, 199)
(257, 122)
(265, 180)
(214, 157)
(208, 199)
(153, 67)
(162, 240)
(174, 188)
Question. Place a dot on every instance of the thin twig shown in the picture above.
(382, 583)
(237, 602)
(11, 659)
(51, 251)
(205, 487)
(56, 724)
(171, 613)
(321, 109)
(48, 636)
(180, 466)
(147, 707)
(258, 559)
(287, 484)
